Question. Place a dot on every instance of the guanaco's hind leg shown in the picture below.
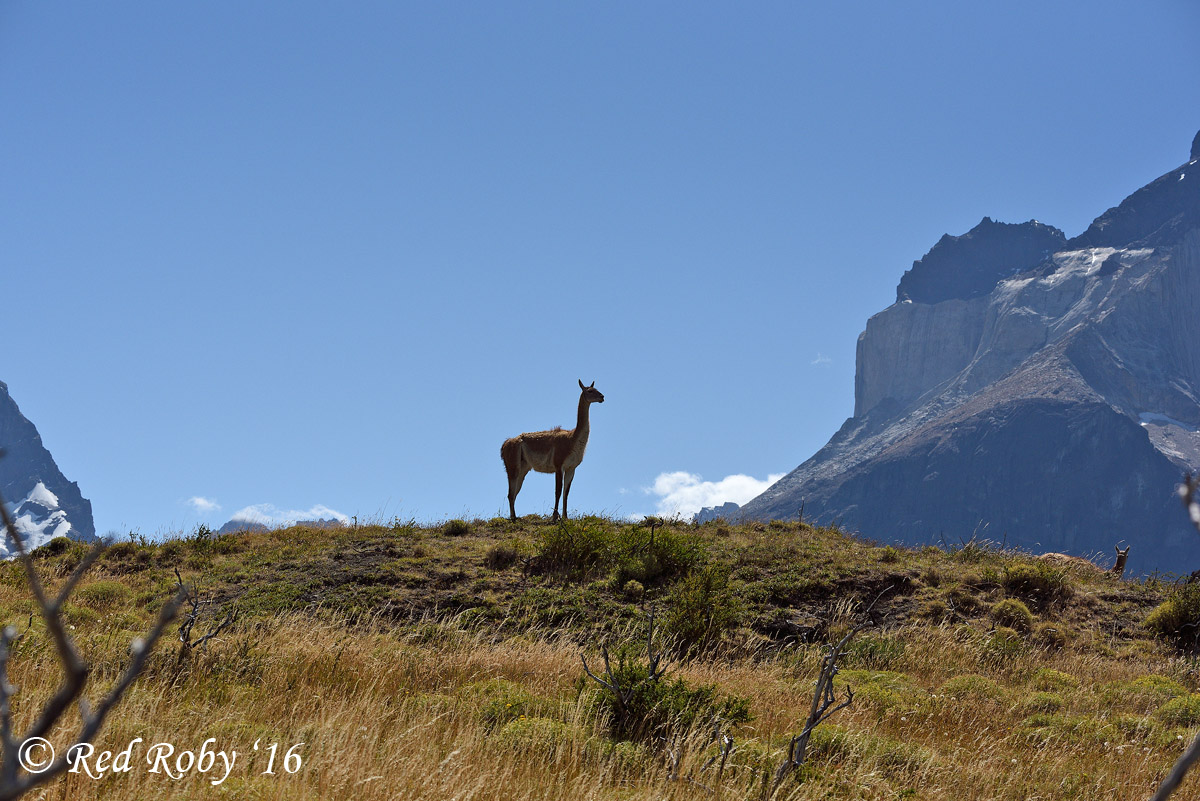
(568, 477)
(558, 486)
(515, 479)
(517, 468)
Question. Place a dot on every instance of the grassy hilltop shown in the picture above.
(444, 662)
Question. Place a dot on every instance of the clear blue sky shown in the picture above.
(303, 253)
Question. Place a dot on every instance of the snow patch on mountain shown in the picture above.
(38, 519)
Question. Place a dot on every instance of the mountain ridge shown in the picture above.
(44, 503)
(1076, 373)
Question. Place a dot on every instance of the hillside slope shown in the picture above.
(421, 662)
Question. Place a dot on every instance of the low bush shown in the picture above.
(1002, 646)
(501, 555)
(1042, 702)
(1181, 711)
(874, 652)
(1178, 617)
(659, 707)
(1051, 680)
(654, 558)
(1014, 614)
(575, 547)
(701, 609)
(1039, 584)
(103, 595)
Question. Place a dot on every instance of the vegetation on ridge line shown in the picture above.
(350, 637)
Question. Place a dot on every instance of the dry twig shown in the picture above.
(824, 704)
(13, 781)
(187, 644)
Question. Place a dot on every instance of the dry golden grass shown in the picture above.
(464, 707)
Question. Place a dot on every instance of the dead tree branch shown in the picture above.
(624, 695)
(13, 782)
(824, 703)
(193, 597)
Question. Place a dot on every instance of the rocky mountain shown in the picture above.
(728, 511)
(44, 504)
(1029, 389)
(236, 526)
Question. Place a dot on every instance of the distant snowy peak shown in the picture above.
(39, 519)
(44, 503)
(42, 497)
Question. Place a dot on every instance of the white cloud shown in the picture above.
(822, 360)
(684, 494)
(268, 514)
(203, 505)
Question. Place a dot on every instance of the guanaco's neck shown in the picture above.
(581, 422)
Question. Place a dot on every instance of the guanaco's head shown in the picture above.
(590, 393)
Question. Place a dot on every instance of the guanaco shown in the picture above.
(555, 451)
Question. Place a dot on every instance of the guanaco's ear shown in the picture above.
(591, 385)
(581, 386)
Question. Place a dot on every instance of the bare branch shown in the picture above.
(824, 701)
(12, 783)
(185, 628)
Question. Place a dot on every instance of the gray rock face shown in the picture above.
(44, 504)
(1056, 409)
(968, 266)
(728, 511)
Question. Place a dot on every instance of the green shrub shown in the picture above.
(1143, 694)
(1039, 584)
(78, 615)
(701, 608)
(882, 690)
(501, 701)
(964, 600)
(102, 595)
(228, 543)
(1050, 635)
(54, 547)
(654, 558)
(1014, 614)
(874, 652)
(501, 555)
(935, 609)
(542, 735)
(1181, 711)
(1043, 702)
(1178, 618)
(893, 758)
(456, 528)
(120, 550)
(576, 547)
(170, 552)
(1002, 646)
(1051, 680)
(661, 706)
(633, 590)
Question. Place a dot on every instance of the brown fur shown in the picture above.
(1118, 568)
(555, 451)
(1066, 560)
